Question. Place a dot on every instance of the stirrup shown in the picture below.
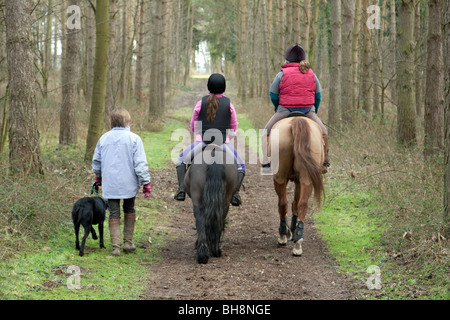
(236, 200)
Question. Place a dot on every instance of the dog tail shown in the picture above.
(75, 215)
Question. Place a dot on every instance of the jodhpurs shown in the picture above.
(192, 150)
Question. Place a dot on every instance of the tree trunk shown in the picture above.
(305, 24)
(313, 39)
(124, 60)
(189, 37)
(266, 63)
(335, 68)
(100, 74)
(434, 97)
(157, 85)
(140, 53)
(24, 147)
(347, 76)
(446, 50)
(355, 54)
(243, 51)
(112, 85)
(394, 51)
(296, 21)
(419, 62)
(90, 51)
(70, 74)
(406, 125)
(365, 67)
(47, 47)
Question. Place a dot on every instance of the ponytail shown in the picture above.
(304, 66)
(212, 105)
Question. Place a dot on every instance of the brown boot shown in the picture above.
(128, 229)
(326, 162)
(114, 230)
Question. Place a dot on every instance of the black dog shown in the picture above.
(88, 212)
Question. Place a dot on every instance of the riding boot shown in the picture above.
(114, 230)
(181, 172)
(326, 162)
(236, 199)
(128, 229)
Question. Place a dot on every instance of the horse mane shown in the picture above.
(303, 159)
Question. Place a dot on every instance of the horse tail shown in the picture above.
(213, 212)
(303, 159)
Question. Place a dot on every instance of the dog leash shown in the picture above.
(92, 189)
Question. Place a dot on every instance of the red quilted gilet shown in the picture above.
(297, 90)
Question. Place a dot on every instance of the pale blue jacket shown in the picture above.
(120, 160)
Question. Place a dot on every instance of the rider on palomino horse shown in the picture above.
(214, 111)
(295, 88)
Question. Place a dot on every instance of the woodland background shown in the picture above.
(385, 85)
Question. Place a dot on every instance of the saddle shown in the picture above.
(296, 114)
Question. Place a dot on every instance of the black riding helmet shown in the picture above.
(217, 83)
(295, 53)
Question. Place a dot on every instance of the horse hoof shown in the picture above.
(202, 260)
(282, 240)
(297, 250)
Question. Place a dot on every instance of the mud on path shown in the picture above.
(253, 265)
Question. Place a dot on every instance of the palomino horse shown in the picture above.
(210, 181)
(300, 158)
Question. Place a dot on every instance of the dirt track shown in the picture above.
(252, 266)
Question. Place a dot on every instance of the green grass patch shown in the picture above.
(40, 271)
(351, 229)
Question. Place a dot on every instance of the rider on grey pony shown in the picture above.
(214, 111)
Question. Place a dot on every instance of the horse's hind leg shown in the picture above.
(203, 253)
(302, 209)
(282, 210)
(294, 218)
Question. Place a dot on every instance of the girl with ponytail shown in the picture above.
(213, 117)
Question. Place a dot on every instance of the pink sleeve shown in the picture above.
(233, 120)
(195, 114)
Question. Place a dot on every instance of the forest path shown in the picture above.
(252, 266)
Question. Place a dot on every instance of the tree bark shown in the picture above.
(70, 75)
(112, 85)
(335, 68)
(355, 54)
(394, 51)
(446, 48)
(305, 25)
(100, 74)
(140, 53)
(24, 147)
(434, 97)
(406, 125)
(47, 46)
(346, 70)
(296, 21)
(365, 67)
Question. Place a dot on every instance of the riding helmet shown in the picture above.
(216, 83)
(295, 53)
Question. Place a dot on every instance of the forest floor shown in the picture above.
(253, 265)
